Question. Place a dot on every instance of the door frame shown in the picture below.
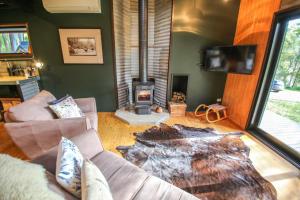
(273, 50)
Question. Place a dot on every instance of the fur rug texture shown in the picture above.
(209, 165)
(20, 180)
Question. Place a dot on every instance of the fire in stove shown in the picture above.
(144, 95)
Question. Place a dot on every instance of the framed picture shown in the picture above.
(81, 46)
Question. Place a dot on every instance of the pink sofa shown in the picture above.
(126, 181)
(34, 119)
(36, 131)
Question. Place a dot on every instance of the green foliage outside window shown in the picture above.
(14, 42)
(289, 62)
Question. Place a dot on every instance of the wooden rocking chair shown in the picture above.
(205, 110)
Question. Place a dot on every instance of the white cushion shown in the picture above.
(93, 184)
(66, 108)
(68, 167)
(23, 180)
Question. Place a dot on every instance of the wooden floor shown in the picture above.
(114, 132)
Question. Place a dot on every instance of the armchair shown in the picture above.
(35, 130)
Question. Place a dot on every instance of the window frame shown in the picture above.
(9, 56)
(276, 37)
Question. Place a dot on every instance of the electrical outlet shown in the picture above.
(219, 100)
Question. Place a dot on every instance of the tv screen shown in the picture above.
(231, 59)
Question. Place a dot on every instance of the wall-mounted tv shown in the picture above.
(230, 59)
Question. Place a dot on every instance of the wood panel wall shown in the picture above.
(289, 3)
(253, 27)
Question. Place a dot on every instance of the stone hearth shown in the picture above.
(132, 118)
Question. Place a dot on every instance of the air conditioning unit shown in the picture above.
(72, 6)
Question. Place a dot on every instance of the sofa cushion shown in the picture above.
(128, 182)
(124, 178)
(48, 160)
(35, 108)
(90, 137)
(88, 143)
(163, 190)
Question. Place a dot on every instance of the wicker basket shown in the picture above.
(177, 109)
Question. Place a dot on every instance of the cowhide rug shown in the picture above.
(200, 161)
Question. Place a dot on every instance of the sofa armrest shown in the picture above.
(87, 104)
(37, 137)
(88, 143)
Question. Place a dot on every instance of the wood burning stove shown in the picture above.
(143, 89)
(143, 96)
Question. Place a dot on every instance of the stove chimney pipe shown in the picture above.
(143, 40)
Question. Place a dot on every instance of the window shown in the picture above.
(14, 41)
(276, 112)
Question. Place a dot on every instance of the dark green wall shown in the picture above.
(197, 26)
(78, 80)
(203, 87)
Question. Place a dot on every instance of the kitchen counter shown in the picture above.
(15, 80)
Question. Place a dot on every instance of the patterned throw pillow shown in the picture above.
(66, 108)
(58, 100)
(68, 167)
(93, 184)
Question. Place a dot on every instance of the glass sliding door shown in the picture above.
(281, 116)
(276, 112)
